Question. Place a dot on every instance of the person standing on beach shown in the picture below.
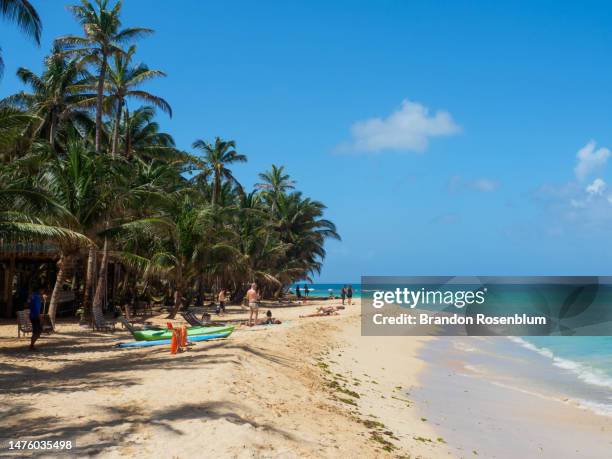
(343, 293)
(298, 292)
(253, 298)
(306, 290)
(349, 294)
(36, 301)
(221, 302)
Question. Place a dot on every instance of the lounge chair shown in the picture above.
(128, 315)
(126, 324)
(191, 319)
(47, 324)
(100, 323)
(130, 326)
(23, 323)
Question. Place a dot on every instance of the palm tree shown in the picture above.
(299, 223)
(122, 82)
(274, 183)
(55, 96)
(13, 123)
(176, 240)
(142, 134)
(103, 37)
(258, 249)
(63, 195)
(24, 14)
(217, 157)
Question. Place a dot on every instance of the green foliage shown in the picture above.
(173, 220)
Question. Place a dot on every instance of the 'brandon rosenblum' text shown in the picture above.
(456, 319)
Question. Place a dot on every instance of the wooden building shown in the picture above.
(20, 265)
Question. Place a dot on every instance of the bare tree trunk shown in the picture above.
(89, 277)
(99, 99)
(178, 302)
(62, 274)
(216, 188)
(128, 138)
(117, 124)
(52, 128)
(99, 296)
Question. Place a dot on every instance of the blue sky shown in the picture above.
(476, 174)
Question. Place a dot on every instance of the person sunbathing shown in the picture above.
(323, 311)
(269, 320)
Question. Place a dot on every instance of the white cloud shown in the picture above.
(590, 160)
(483, 184)
(579, 202)
(410, 128)
(571, 203)
(597, 187)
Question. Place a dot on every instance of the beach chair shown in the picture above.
(126, 324)
(100, 322)
(23, 323)
(191, 319)
(128, 315)
(47, 324)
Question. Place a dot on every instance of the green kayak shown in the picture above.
(152, 335)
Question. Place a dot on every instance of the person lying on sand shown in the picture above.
(323, 311)
(269, 320)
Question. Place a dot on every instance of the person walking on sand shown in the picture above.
(36, 301)
(253, 298)
(343, 293)
(221, 302)
(349, 294)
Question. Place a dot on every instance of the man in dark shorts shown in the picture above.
(35, 316)
(349, 294)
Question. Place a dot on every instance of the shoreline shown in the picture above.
(481, 408)
(306, 388)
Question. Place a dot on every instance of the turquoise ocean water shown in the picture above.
(323, 289)
(586, 358)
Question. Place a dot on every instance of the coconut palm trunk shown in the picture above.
(178, 293)
(117, 124)
(52, 128)
(62, 274)
(89, 277)
(128, 138)
(178, 302)
(99, 296)
(216, 188)
(99, 99)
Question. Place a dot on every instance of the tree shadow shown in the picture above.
(129, 419)
(120, 369)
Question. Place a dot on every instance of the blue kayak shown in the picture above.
(167, 341)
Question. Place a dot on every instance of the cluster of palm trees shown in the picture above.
(102, 183)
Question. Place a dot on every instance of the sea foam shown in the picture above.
(584, 372)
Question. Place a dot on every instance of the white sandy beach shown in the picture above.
(307, 388)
